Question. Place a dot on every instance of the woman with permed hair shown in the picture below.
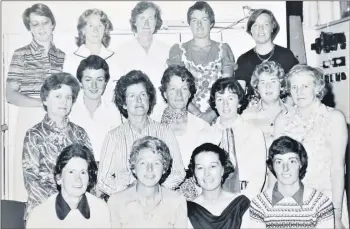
(147, 204)
(210, 166)
(263, 27)
(94, 28)
(135, 99)
(289, 204)
(28, 69)
(144, 51)
(45, 140)
(323, 132)
(205, 58)
(73, 206)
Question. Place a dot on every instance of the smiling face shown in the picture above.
(287, 168)
(148, 167)
(74, 178)
(146, 22)
(177, 93)
(303, 89)
(136, 100)
(93, 83)
(269, 87)
(262, 29)
(200, 24)
(41, 27)
(94, 29)
(226, 104)
(208, 170)
(59, 102)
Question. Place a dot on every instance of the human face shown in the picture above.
(148, 167)
(208, 170)
(94, 29)
(41, 27)
(269, 87)
(146, 22)
(136, 100)
(303, 90)
(287, 168)
(59, 102)
(93, 83)
(177, 93)
(74, 178)
(226, 104)
(200, 24)
(262, 28)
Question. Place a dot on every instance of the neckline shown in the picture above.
(237, 198)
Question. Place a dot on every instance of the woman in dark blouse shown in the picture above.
(214, 208)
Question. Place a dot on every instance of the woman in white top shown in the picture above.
(73, 207)
(178, 89)
(94, 29)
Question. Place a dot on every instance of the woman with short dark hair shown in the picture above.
(210, 166)
(147, 204)
(29, 67)
(73, 206)
(290, 204)
(45, 141)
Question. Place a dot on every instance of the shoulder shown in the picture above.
(335, 115)
(22, 50)
(76, 127)
(285, 51)
(121, 197)
(197, 122)
(96, 203)
(171, 194)
(45, 207)
(246, 55)
(226, 47)
(60, 53)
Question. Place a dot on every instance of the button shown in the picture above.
(271, 124)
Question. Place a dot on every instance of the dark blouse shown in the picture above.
(230, 218)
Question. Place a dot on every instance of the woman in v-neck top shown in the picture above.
(214, 207)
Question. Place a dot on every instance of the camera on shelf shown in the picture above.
(329, 42)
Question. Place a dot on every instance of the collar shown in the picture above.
(298, 196)
(63, 209)
(36, 47)
(52, 124)
(170, 116)
(236, 123)
(84, 52)
(259, 106)
(149, 122)
(80, 101)
(133, 196)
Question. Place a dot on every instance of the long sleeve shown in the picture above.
(177, 173)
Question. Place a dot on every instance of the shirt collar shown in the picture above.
(133, 196)
(84, 52)
(52, 124)
(261, 108)
(36, 47)
(63, 209)
(236, 123)
(298, 196)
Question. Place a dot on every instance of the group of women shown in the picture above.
(201, 143)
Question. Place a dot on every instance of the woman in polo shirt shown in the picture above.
(147, 204)
(29, 67)
(73, 207)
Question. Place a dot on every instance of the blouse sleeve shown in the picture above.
(256, 215)
(228, 60)
(325, 215)
(113, 204)
(175, 55)
(16, 68)
(181, 214)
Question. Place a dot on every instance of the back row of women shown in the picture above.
(192, 111)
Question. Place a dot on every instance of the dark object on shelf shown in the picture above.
(329, 42)
(337, 77)
(338, 61)
(326, 78)
(343, 76)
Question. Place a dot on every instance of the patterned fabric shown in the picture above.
(114, 174)
(213, 64)
(170, 116)
(316, 211)
(30, 67)
(42, 145)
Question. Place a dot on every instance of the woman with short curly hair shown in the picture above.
(150, 163)
(210, 166)
(94, 36)
(323, 132)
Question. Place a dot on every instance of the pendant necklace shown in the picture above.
(264, 60)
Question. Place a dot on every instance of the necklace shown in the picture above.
(264, 60)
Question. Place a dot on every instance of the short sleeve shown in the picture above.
(175, 55)
(16, 68)
(228, 59)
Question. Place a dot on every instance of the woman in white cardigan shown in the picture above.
(72, 206)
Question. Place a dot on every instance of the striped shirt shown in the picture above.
(313, 210)
(42, 145)
(30, 67)
(114, 174)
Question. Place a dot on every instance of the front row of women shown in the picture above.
(147, 204)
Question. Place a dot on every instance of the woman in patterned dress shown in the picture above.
(322, 130)
(206, 59)
(45, 141)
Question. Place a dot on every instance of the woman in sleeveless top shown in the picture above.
(214, 208)
(322, 131)
(206, 59)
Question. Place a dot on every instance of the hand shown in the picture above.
(338, 224)
(208, 116)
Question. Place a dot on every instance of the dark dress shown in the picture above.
(230, 218)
